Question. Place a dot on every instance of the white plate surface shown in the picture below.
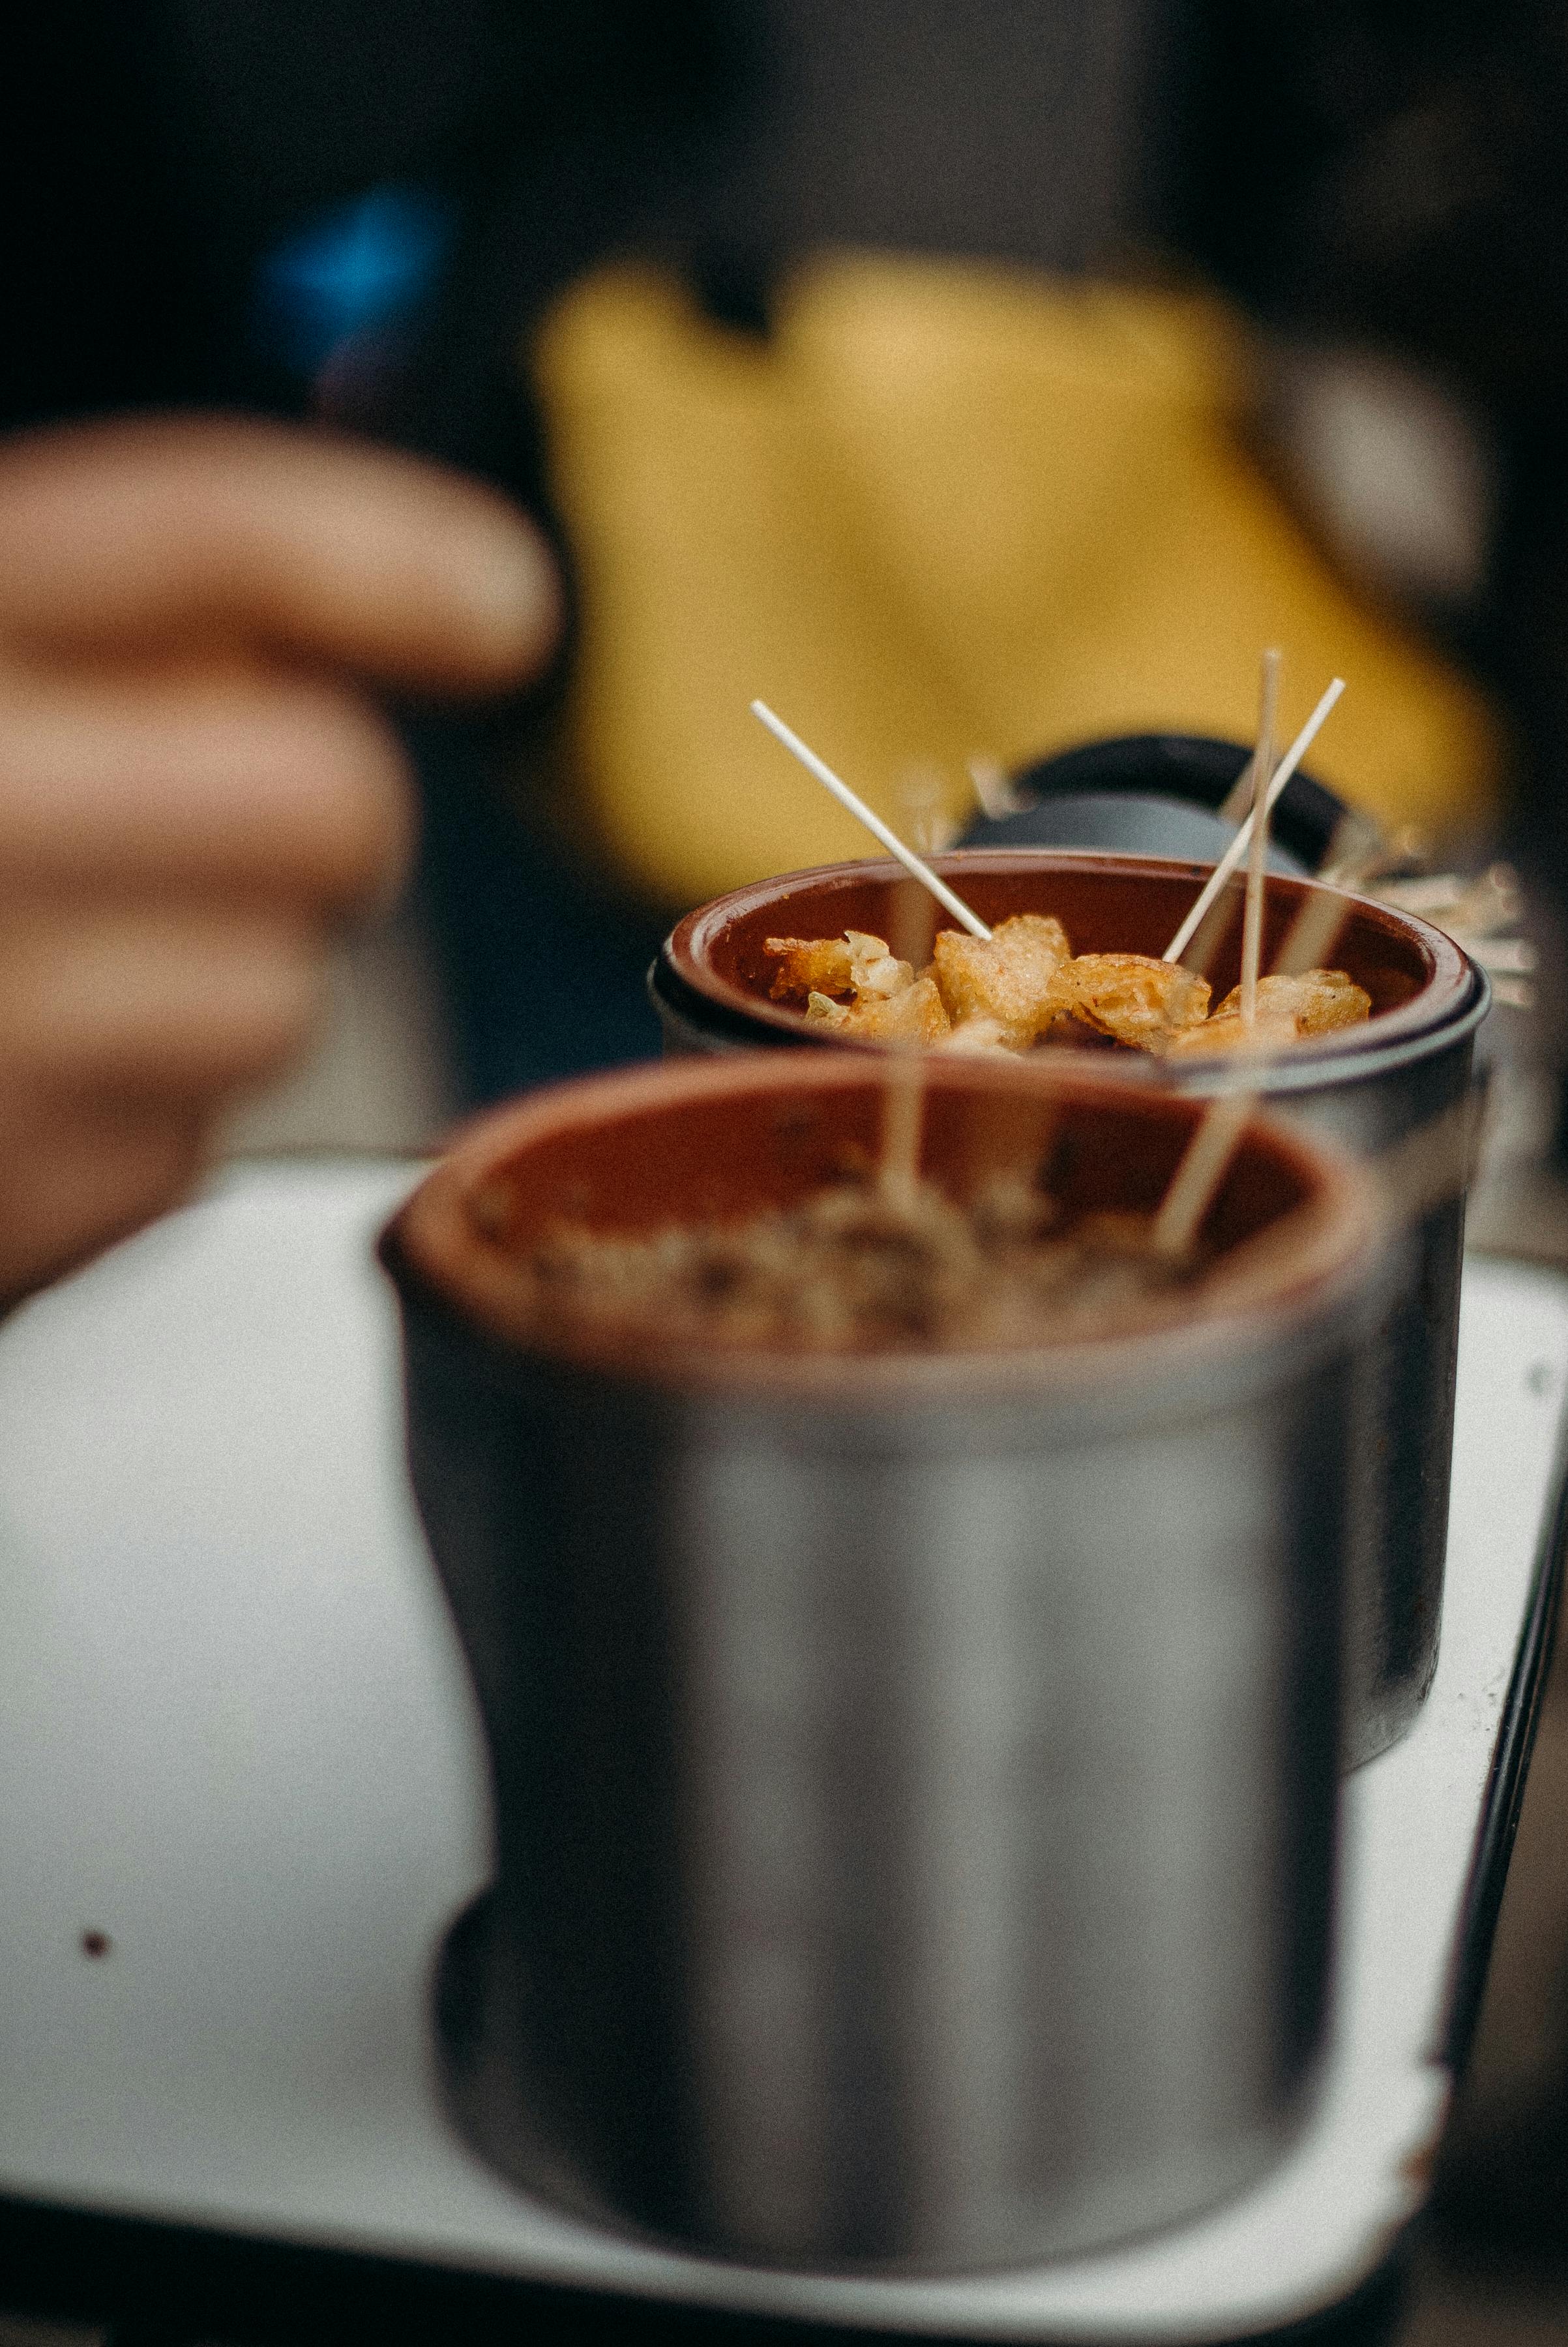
(236, 1739)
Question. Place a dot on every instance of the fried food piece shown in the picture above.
(854, 1269)
(1227, 1030)
(1317, 1000)
(889, 1004)
(914, 1014)
(1068, 1032)
(1133, 997)
(979, 1037)
(810, 965)
(1287, 1008)
(856, 963)
(1007, 979)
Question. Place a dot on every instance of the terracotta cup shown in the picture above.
(914, 1773)
(1367, 1088)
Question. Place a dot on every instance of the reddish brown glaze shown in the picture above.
(1416, 976)
(639, 1151)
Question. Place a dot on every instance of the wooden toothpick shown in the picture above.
(1257, 847)
(946, 897)
(1199, 1175)
(1243, 840)
(1314, 932)
(903, 1118)
(1197, 1178)
(911, 931)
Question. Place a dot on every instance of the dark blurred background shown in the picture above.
(309, 207)
(303, 206)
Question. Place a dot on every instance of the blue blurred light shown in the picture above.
(357, 268)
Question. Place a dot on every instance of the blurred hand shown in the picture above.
(195, 791)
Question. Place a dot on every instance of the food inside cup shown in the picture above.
(1023, 986)
(861, 1264)
(678, 1218)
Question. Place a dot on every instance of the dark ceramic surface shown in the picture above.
(1193, 772)
(914, 1778)
(1370, 1088)
(1418, 979)
(1127, 822)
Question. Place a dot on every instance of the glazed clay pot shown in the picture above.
(1156, 795)
(1367, 1088)
(914, 1774)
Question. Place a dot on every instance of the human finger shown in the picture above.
(239, 781)
(168, 1003)
(77, 1175)
(208, 529)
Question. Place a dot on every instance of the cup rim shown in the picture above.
(1453, 986)
(435, 1252)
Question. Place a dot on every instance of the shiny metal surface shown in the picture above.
(1147, 774)
(1403, 1415)
(1124, 822)
(691, 1028)
(246, 1652)
(1368, 1102)
(914, 1809)
(914, 1837)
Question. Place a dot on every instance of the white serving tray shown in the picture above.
(236, 1740)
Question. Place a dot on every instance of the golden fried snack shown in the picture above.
(914, 1014)
(810, 965)
(979, 1036)
(1227, 1030)
(1317, 1000)
(856, 963)
(1287, 1008)
(854, 1268)
(1002, 993)
(1132, 997)
(1007, 979)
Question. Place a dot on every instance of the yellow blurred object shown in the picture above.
(945, 509)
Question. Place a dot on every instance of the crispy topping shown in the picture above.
(851, 1269)
(911, 1013)
(1007, 979)
(1022, 986)
(1317, 1000)
(1135, 999)
(1287, 1008)
(1229, 1031)
(810, 965)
